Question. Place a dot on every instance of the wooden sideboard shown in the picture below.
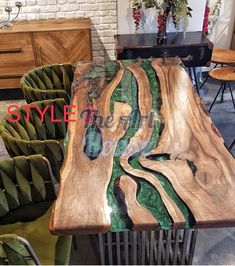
(39, 42)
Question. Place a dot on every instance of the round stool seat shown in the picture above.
(223, 56)
(223, 73)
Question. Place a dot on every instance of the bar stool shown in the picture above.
(225, 75)
(221, 57)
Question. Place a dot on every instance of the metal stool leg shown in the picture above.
(221, 87)
(222, 95)
(231, 94)
(205, 80)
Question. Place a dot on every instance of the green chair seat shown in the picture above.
(36, 136)
(41, 240)
(27, 191)
(48, 82)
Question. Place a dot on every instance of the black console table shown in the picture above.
(194, 48)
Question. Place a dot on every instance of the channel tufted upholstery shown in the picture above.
(48, 82)
(34, 136)
(26, 195)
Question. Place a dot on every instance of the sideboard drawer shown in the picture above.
(16, 54)
(9, 83)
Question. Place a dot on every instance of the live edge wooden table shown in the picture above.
(145, 166)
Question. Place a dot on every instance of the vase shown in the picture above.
(162, 25)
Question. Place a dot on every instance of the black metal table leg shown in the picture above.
(222, 95)
(196, 81)
(190, 73)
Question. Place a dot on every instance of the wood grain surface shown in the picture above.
(81, 206)
(48, 25)
(223, 73)
(180, 176)
(223, 56)
(140, 216)
(189, 134)
(143, 135)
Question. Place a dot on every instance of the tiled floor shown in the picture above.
(214, 246)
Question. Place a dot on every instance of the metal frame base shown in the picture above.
(148, 247)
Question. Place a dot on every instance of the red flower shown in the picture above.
(206, 19)
(136, 12)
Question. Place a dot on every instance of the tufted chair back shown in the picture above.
(48, 82)
(26, 188)
(33, 136)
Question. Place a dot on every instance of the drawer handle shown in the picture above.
(11, 51)
(187, 58)
(10, 76)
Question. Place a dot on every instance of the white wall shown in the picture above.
(126, 24)
(103, 14)
(223, 29)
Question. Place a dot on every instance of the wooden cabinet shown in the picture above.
(16, 57)
(34, 43)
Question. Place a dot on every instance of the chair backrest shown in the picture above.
(15, 250)
(48, 82)
(26, 188)
(32, 128)
(33, 136)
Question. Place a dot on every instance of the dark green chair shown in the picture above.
(48, 82)
(34, 136)
(26, 195)
(15, 250)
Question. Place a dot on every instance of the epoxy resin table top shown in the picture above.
(142, 153)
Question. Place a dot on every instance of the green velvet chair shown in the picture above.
(15, 250)
(48, 82)
(26, 196)
(34, 136)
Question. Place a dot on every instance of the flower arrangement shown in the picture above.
(211, 16)
(179, 10)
